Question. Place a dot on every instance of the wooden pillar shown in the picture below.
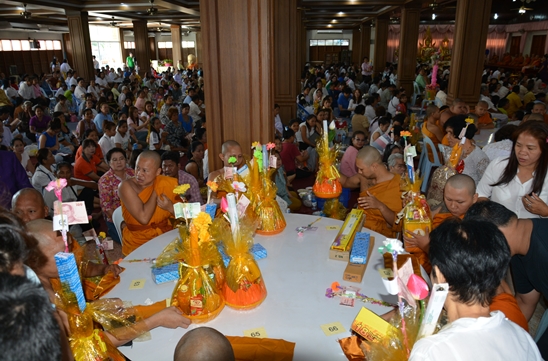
(142, 47)
(199, 49)
(80, 42)
(177, 45)
(365, 32)
(286, 76)
(409, 36)
(356, 46)
(471, 27)
(301, 45)
(381, 40)
(238, 61)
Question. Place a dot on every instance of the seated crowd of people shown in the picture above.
(493, 207)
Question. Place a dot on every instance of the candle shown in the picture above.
(265, 158)
(325, 132)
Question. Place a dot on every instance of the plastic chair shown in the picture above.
(425, 165)
(542, 326)
(301, 112)
(416, 93)
(117, 219)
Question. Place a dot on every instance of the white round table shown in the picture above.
(484, 137)
(297, 272)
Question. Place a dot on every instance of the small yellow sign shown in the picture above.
(137, 284)
(333, 328)
(168, 302)
(386, 273)
(332, 228)
(259, 332)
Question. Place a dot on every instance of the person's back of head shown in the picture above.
(536, 117)
(29, 331)
(492, 212)
(515, 89)
(203, 344)
(505, 132)
(472, 257)
(431, 110)
(360, 109)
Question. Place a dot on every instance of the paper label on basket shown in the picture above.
(259, 332)
(391, 286)
(137, 284)
(332, 228)
(168, 302)
(229, 172)
(243, 202)
(58, 223)
(74, 211)
(108, 245)
(333, 328)
(244, 171)
(412, 151)
(186, 210)
(273, 160)
(347, 301)
(386, 273)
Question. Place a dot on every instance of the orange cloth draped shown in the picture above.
(389, 193)
(261, 349)
(434, 139)
(445, 141)
(485, 119)
(507, 304)
(137, 234)
(147, 311)
(422, 256)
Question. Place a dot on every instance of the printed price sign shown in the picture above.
(137, 284)
(386, 273)
(332, 228)
(333, 328)
(256, 333)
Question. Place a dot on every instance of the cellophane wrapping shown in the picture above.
(334, 209)
(271, 218)
(198, 292)
(453, 165)
(416, 212)
(327, 184)
(173, 252)
(253, 187)
(244, 287)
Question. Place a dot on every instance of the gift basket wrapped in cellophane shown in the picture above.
(89, 343)
(416, 213)
(244, 287)
(327, 184)
(201, 276)
(270, 217)
(333, 208)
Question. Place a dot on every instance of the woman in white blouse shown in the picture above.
(45, 171)
(520, 182)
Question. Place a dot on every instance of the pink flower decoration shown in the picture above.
(57, 186)
(224, 205)
(270, 146)
(239, 186)
(418, 287)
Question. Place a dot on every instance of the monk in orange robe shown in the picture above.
(459, 195)
(485, 121)
(147, 202)
(380, 195)
(507, 59)
(431, 129)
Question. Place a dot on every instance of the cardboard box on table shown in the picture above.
(361, 252)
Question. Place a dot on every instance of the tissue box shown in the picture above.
(360, 248)
(68, 273)
(165, 274)
(221, 248)
(258, 252)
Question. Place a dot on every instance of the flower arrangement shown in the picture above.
(57, 186)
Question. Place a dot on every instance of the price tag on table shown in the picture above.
(259, 332)
(137, 284)
(386, 273)
(332, 228)
(333, 328)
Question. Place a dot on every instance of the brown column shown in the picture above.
(301, 45)
(142, 47)
(80, 43)
(471, 26)
(286, 77)
(381, 40)
(198, 47)
(365, 31)
(356, 46)
(177, 45)
(238, 60)
(409, 36)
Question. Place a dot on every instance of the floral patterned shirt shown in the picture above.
(175, 134)
(108, 191)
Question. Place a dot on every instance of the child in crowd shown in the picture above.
(485, 121)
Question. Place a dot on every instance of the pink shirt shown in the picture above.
(348, 162)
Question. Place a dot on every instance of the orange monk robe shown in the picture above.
(136, 234)
(422, 256)
(507, 59)
(434, 139)
(445, 141)
(389, 193)
(507, 304)
(485, 119)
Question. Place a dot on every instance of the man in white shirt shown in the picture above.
(65, 67)
(26, 91)
(80, 91)
(95, 63)
(472, 257)
(196, 110)
(72, 80)
(441, 94)
(101, 81)
(496, 74)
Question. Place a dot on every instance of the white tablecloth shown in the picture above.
(484, 137)
(296, 272)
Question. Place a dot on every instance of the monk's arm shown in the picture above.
(142, 212)
(388, 215)
(527, 303)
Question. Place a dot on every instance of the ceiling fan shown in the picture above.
(113, 23)
(152, 10)
(25, 14)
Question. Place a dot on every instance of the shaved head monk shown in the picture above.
(203, 344)
(28, 204)
(458, 107)
(230, 148)
(459, 195)
(147, 202)
(380, 192)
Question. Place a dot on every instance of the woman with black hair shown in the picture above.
(45, 171)
(519, 181)
(195, 164)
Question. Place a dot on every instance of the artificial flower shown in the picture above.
(332, 125)
(239, 186)
(202, 222)
(418, 287)
(102, 235)
(57, 186)
(212, 185)
(270, 146)
(405, 133)
(391, 245)
(182, 189)
(256, 145)
(224, 205)
(232, 160)
(469, 120)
